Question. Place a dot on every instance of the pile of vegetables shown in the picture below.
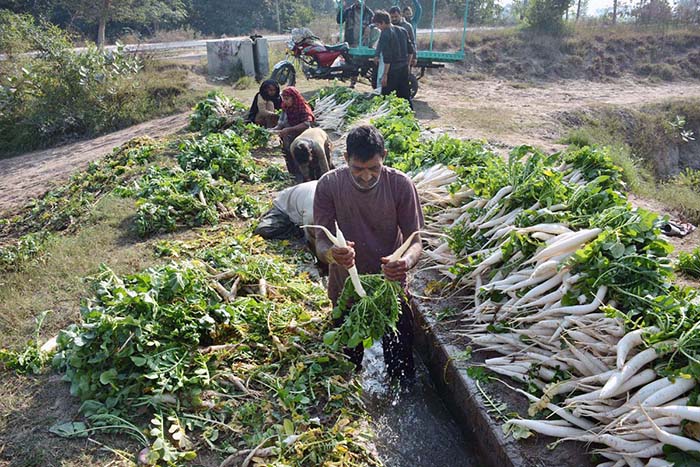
(555, 271)
(204, 191)
(169, 199)
(221, 349)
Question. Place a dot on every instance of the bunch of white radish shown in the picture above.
(612, 396)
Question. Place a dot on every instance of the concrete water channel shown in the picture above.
(415, 428)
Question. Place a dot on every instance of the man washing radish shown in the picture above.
(376, 208)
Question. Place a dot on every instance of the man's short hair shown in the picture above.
(302, 153)
(394, 9)
(381, 16)
(364, 142)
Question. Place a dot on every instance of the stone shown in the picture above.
(261, 58)
(230, 58)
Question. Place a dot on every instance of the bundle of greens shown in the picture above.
(169, 199)
(366, 319)
(215, 113)
(223, 155)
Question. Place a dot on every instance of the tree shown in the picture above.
(101, 12)
(479, 12)
(688, 11)
(614, 12)
(546, 15)
(652, 12)
(236, 17)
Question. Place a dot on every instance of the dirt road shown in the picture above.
(505, 113)
(514, 113)
(29, 175)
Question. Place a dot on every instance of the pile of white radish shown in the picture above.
(613, 399)
(332, 116)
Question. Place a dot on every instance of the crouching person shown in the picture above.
(291, 208)
(312, 152)
(376, 207)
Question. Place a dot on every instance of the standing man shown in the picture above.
(396, 48)
(354, 25)
(376, 207)
(398, 20)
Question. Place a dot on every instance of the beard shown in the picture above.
(366, 186)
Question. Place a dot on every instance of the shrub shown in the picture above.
(58, 94)
(546, 15)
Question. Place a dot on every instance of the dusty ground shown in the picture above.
(512, 113)
(505, 113)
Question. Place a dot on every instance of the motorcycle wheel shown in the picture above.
(413, 83)
(285, 75)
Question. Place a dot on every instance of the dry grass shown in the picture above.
(57, 283)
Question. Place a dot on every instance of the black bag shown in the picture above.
(275, 224)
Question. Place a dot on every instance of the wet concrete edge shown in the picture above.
(462, 396)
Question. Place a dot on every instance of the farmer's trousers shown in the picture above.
(398, 81)
(397, 348)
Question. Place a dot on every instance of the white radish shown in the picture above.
(631, 368)
(630, 341)
(340, 242)
(680, 442)
(685, 412)
(548, 429)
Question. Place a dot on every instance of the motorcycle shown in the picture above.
(320, 61)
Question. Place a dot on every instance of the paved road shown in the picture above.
(201, 45)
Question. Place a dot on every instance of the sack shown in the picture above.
(275, 224)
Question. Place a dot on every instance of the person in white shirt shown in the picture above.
(291, 208)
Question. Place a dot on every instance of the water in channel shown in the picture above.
(414, 429)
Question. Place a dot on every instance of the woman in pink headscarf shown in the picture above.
(297, 116)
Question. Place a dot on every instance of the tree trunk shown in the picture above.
(279, 24)
(578, 10)
(614, 18)
(102, 25)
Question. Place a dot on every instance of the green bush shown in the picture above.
(546, 15)
(58, 94)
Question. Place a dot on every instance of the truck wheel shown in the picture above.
(413, 83)
(285, 75)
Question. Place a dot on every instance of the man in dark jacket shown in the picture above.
(398, 20)
(352, 20)
(396, 48)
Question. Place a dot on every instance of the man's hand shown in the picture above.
(283, 132)
(385, 80)
(345, 257)
(395, 270)
(414, 61)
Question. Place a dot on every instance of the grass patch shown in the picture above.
(486, 117)
(106, 237)
(652, 145)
